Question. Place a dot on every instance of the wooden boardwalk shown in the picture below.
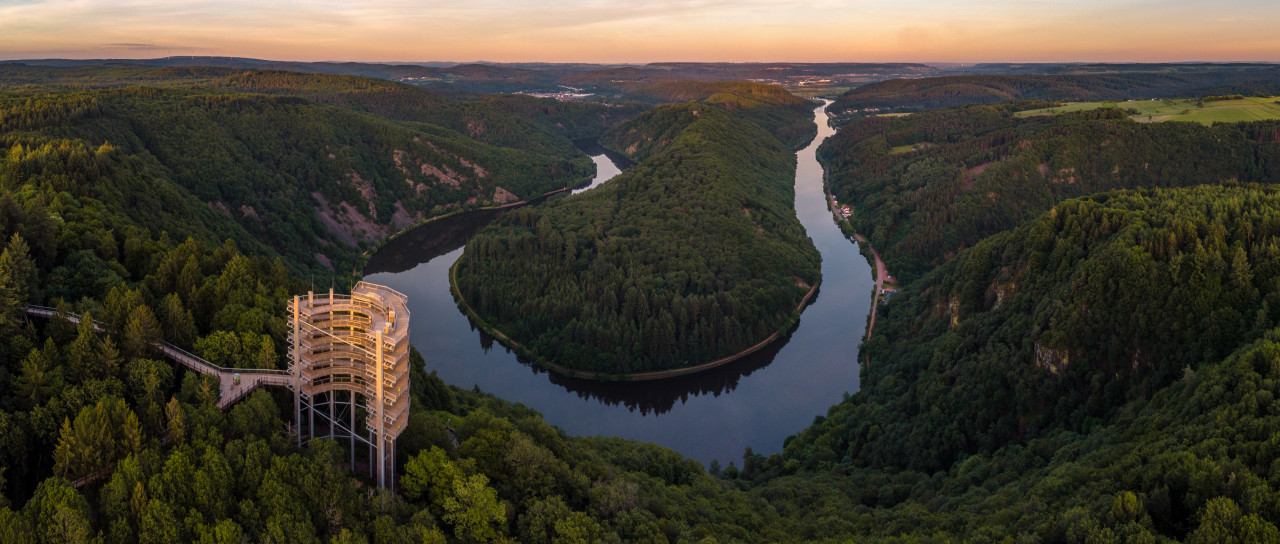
(229, 389)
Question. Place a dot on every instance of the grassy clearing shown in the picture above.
(1221, 111)
(818, 91)
(908, 148)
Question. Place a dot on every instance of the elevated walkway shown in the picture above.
(229, 391)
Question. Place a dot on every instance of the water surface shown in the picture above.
(756, 401)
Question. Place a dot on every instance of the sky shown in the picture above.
(636, 31)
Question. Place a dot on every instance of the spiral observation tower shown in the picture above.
(349, 360)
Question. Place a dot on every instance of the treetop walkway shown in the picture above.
(230, 388)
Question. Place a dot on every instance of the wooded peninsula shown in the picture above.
(690, 256)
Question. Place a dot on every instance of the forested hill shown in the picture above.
(285, 175)
(1104, 373)
(926, 185)
(912, 95)
(746, 93)
(786, 116)
(508, 120)
(517, 121)
(693, 254)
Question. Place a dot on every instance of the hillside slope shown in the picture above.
(689, 256)
(929, 184)
(784, 115)
(912, 95)
(1107, 368)
(311, 181)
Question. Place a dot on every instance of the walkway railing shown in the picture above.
(257, 376)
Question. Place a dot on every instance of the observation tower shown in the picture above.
(349, 359)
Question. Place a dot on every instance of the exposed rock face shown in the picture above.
(503, 196)
(1053, 360)
(480, 172)
(351, 227)
(345, 221)
(366, 191)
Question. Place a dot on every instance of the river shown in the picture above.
(756, 401)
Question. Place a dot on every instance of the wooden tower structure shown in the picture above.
(349, 359)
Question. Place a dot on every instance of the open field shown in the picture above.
(1219, 111)
(818, 91)
(908, 148)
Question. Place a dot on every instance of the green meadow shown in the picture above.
(1218, 111)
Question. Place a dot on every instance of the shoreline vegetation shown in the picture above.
(703, 202)
(369, 253)
(1098, 363)
(605, 376)
(881, 272)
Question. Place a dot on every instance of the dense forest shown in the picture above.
(219, 163)
(912, 95)
(1073, 442)
(1104, 373)
(1101, 368)
(786, 116)
(926, 185)
(104, 441)
(692, 255)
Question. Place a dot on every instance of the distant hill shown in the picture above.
(929, 184)
(775, 109)
(314, 167)
(542, 77)
(1009, 68)
(913, 95)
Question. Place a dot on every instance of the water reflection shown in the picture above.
(655, 399)
(756, 401)
(447, 235)
(428, 242)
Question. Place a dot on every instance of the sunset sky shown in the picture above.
(646, 30)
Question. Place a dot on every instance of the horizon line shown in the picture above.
(607, 63)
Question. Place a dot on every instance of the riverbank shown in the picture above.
(368, 253)
(756, 401)
(608, 376)
(882, 275)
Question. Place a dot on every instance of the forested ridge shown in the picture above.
(786, 116)
(921, 94)
(1105, 373)
(689, 256)
(1178, 446)
(286, 175)
(927, 185)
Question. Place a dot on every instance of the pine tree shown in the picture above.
(16, 261)
(140, 332)
(82, 353)
(109, 357)
(177, 422)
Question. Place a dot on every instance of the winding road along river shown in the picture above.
(754, 402)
